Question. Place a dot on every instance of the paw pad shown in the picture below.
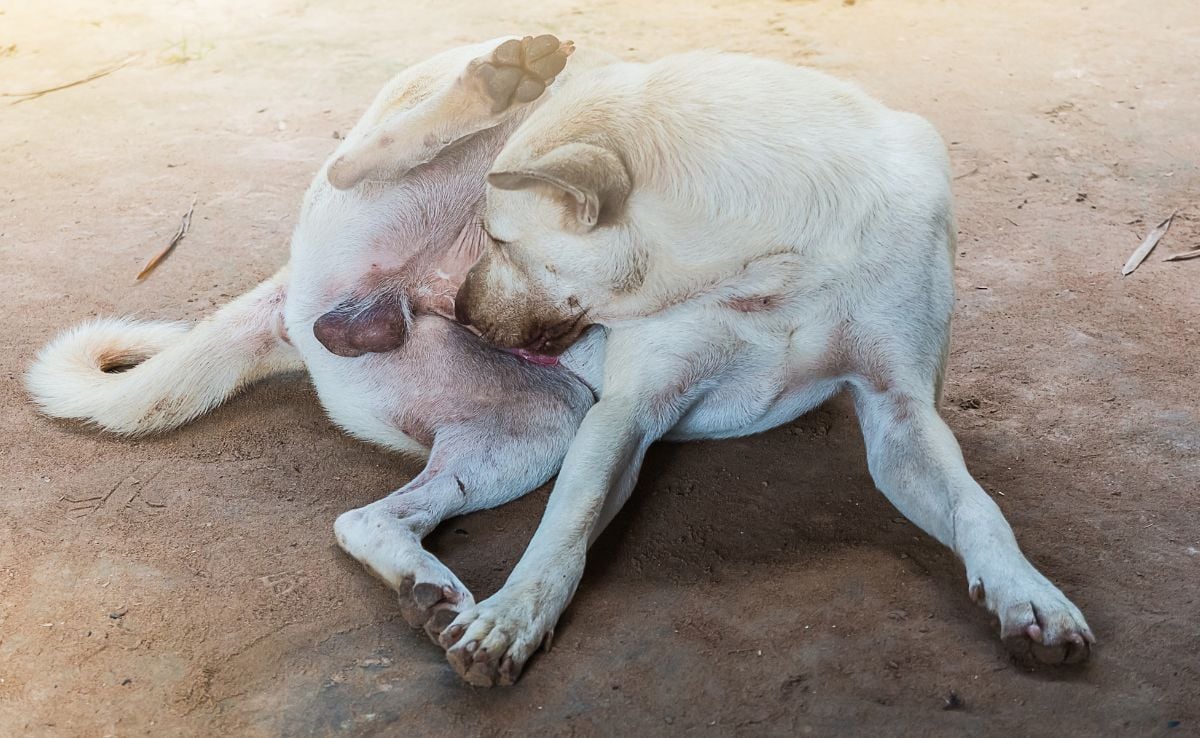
(519, 70)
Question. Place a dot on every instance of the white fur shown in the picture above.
(180, 373)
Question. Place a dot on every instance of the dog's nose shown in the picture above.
(460, 302)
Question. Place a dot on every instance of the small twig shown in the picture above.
(1183, 255)
(161, 256)
(967, 174)
(33, 95)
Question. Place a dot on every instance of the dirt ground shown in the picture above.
(190, 585)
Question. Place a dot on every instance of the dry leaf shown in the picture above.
(161, 256)
(1152, 239)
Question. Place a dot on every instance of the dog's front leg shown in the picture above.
(916, 462)
(490, 643)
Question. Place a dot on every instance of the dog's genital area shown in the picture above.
(190, 584)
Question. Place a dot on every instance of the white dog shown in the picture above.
(755, 238)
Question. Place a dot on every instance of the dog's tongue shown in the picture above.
(531, 357)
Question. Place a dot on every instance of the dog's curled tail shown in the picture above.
(136, 377)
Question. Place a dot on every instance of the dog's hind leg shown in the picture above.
(485, 93)
(469, 469)
(385, 537)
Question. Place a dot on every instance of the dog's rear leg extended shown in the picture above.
(488, 91)
(465, 473)
(135, 377)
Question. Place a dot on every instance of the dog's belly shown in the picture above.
(776, 375)
(734, 409)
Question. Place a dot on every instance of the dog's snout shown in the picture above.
(462, 311)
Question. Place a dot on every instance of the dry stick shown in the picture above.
(1139, 255)
(27, 96)
(1193, 254)
(161, 256)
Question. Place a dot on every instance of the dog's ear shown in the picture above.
(594, 179)
(364, 325)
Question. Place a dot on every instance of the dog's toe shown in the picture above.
(545, 56)
(489, 644)
(432, 606)
(509, 54)
(436, 624)
(1037, 622)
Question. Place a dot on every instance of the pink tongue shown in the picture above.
(531, 357)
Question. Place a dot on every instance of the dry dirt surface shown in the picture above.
(190, 585)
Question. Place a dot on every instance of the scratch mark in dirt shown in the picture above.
(283, 582)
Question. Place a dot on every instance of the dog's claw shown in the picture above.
(518, 71)
(509, 671)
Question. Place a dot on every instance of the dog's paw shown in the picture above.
(519, 71)
(1037, 621)
(429, 604)
(489, 644)
(429, 594)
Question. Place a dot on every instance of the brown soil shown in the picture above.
(189, 584)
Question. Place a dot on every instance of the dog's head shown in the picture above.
(560, 253)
